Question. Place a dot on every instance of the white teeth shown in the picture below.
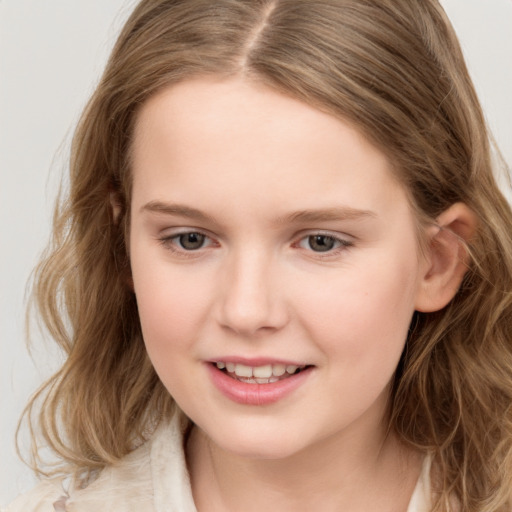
(243, 371)
(267, 373)
(262, 372)
(278, 369)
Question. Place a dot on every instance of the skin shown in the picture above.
(249, 159)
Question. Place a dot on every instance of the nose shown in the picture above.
(252, 300)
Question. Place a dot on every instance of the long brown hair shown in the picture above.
(392, 68)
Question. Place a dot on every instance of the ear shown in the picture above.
(117, 208)
(115, 205)
(446, 259)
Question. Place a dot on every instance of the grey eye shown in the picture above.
(321, 243)
(191, 241)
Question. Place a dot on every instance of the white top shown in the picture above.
(153, 478)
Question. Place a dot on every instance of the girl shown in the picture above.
(283, 273)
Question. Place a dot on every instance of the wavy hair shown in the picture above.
(393, 69)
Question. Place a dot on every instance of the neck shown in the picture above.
(340, 473)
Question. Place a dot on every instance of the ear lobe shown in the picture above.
(447, 257)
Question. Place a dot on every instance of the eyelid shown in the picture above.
(345, 242)
(170, 232)
(342, 237)
(167, 237)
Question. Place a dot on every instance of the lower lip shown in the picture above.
(256, 394)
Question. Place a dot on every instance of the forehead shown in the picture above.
(236, 140)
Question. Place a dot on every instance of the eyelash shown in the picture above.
(170, 243)
(341, 244)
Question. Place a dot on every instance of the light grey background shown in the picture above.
(51, 55)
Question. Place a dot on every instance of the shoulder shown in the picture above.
(43, 498)
(150, 479)
(121, 487)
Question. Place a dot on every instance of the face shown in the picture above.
(275, 265)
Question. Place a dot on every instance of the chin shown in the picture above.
(262, 449)
(271, 443)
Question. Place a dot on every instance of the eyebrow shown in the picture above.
(177, 209)
(326, 214)
(301, 216)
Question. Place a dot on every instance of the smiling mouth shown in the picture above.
(265, 374)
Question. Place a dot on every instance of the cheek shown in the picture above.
(172, 308)
(361, 310)
(172, 311)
